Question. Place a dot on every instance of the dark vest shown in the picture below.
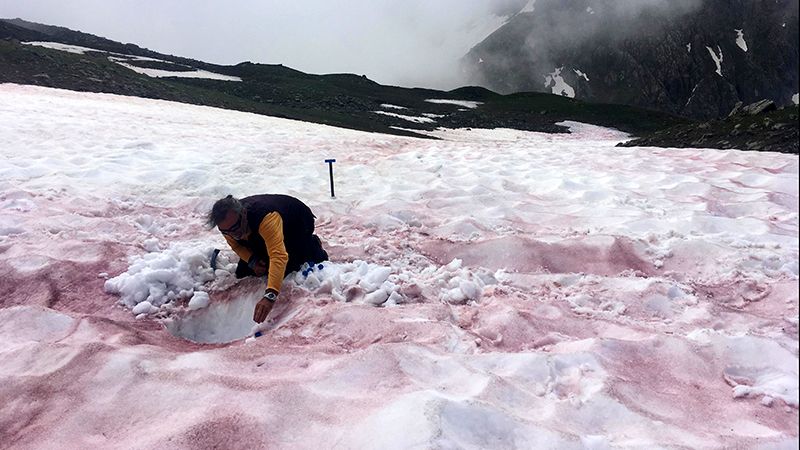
(298, 221)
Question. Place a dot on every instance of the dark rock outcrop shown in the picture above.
(759, 126)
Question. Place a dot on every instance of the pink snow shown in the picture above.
(620, 297)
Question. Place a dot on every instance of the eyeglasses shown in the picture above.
(234, 230)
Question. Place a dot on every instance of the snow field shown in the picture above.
(536, 289)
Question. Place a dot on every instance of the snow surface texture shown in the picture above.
(494, 289)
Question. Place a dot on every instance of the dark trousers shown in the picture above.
(308, 250)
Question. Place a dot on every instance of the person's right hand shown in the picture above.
(260, 268)
(263, 307)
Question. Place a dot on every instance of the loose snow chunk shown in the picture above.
(758, 367)
(159, 277)
(376, 298)
(374, 278)
(740, 40)
(414, 119)
(464, 103)
(362, 282)
(470, 289)
(557, 84)
(717, 59)
(144, 308)
(199, 300)
(151, 245)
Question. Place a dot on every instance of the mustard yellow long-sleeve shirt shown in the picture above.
(271, 230)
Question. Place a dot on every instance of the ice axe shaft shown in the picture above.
(330, 172)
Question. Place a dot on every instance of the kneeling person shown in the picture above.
(272, 234)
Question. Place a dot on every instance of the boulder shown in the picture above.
(759, 107)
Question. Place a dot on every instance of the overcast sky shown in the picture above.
(401, 42)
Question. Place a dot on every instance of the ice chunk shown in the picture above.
(199, 300)
(144, 307)
(376, 298)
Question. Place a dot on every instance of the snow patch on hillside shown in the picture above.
(122, 59)
(464, 103)
(415, 119)
(76, 49)
(717, 59)
(557, 85)
(740, 40)
(160, 73)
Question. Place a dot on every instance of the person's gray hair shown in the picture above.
(221, 208)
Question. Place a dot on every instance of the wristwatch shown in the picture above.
(271, 296)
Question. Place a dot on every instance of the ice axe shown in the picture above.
(330, 172)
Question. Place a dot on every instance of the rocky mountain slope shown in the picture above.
(695, 58)
(759, 126)
(57, 57)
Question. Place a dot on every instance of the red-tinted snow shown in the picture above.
(536, 291)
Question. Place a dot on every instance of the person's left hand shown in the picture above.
(263, 307)
(260, 268)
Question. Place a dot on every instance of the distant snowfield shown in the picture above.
(535, 290)
(464, 103)
(124, 59)
(415, 119)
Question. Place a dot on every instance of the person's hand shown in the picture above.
(263, 307)
(260, 268)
